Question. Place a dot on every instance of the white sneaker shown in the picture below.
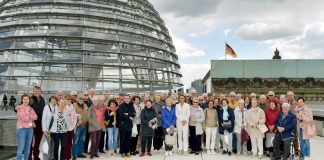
(213, 152)
(166, 153)
(170, 153)
(260, 157)
(208, 151)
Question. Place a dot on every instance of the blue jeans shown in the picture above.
(112, 140)
(24, 138)
(78, 140)
(304, 144)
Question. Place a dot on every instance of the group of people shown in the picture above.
(5, 100)
(129, 124)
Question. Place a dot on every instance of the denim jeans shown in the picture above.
(112, 140)
(24, 138)
(304, 145)
(78, 140)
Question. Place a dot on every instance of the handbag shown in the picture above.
(244, 136)
(227, 124)
(269, 139)
(106, 122)
(171, 139)
(134, 130)
(311, 129)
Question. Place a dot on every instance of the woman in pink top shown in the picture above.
(25, 125)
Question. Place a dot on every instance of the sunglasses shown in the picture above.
(75, 95)
(194, 102)
(86, 94)
(232, 96)
(270, 95)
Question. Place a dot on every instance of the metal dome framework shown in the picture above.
(116, 45)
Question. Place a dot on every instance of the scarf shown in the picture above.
(225, 113)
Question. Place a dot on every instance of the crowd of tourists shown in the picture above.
(77, 126)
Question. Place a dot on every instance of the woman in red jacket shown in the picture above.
(271, 113)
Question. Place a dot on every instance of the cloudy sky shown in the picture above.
(254, 28)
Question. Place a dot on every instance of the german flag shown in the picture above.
(230, 51)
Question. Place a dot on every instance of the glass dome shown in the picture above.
(115, 45)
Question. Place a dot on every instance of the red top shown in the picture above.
(99, 116)
(271, 116)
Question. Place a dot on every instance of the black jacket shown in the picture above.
(38, 106)
(231, 117)
(125, 123)
(111, 118)
(146, 116)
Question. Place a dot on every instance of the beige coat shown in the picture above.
(307, 119)
(253, 118)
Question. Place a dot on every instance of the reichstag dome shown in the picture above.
(118, 45)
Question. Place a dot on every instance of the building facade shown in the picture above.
(304, 77)
(120, 46)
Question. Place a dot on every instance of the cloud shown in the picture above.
(186, 50)
(263, 31)
(227, 31)
(191, 72)
(186, 8)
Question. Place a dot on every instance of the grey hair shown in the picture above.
(286, 104)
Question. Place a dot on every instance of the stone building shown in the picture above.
(303, 76)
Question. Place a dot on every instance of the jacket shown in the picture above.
(239, 119)
(71, 117)
(26, 117)
(47, 116)
(307, 116)
(182, 113)
(231, 117)
(137, 118)
(38, 106)
(200, 117)
(112, 118)
(168, 117)
(82, 111)
(92, 119)
(147, 115)
(254, 118)
(271, 117)
(158, 109)
(289, 123)
(125, 121)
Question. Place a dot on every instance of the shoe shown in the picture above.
(180, 152)
(136, 152)
(229, 153)
(185, 153)
(102, 151)
(192, 152)
(91, 157)
(128, 155)
(196, 153)
(96, 155)
(208, 151)
(74, 158)
(170, 153)
(142, 154)
(213, 152)
(133, 153)
(149, 153)
(224, 152)
(123, 155)
(166, 153)
(260, 157)
(82, 156)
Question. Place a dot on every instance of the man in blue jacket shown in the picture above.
(285, 126)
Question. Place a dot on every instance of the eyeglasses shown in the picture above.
(86, 94)
(232, 96)
(68, 99)
(270, 95)
(75, 95)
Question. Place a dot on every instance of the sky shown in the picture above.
(253, 28)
